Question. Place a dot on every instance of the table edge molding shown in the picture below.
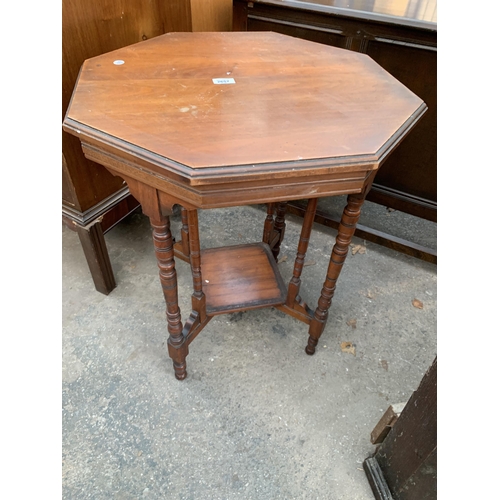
(231, 173)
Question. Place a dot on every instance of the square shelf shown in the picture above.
(241, 277)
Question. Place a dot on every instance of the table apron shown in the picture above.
(236, 193)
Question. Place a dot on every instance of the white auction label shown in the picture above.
(223, 81)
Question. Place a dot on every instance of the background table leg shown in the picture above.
(279, 229)
(181, 247)
(305, 234)
(198, 298)
(185, 232)
(268, 224)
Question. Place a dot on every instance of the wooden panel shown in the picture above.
(214, 15)
(295, 22)
(91, 182)
(407, 455)
(68, 193)
(412, 167)
(240, 13)
(328, 37)
(91, 28)
(240, 277)
(176, 15)
(422, 484)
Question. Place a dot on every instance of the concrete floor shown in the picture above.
(256, 418)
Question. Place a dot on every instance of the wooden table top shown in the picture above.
(237, 103)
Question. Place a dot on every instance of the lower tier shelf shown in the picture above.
(241, 277)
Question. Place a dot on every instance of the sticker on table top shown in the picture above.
(223, 81)
(118, 62)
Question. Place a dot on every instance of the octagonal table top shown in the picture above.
(202, 104)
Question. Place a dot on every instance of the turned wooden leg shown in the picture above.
(181, 247)
(268, 224)
(346, 230)
(185, 232)
(305, 234)
(279, 229)
(198, 297)
(177, 345)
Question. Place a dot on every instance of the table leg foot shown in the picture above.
(178, 351)
(180, 371)
(311, 346)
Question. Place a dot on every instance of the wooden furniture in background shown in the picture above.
(404, 467)
(213, 15)
(402, 37)
(93, 200)
(167, 115)
(386, 423)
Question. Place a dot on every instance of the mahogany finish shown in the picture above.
(350, 217)
(316, 121)
(248, 280)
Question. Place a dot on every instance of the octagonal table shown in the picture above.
(206, 120)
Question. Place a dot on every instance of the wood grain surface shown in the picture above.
(291, 100)
(241, 277)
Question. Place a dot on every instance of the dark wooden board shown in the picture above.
(407, 458)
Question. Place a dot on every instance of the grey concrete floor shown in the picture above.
(256, 418)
